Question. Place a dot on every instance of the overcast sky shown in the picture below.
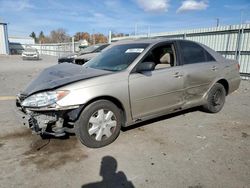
(25, 16)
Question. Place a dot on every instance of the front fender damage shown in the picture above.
(49, 122)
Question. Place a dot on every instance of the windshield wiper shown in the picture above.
(107, 69)
(99, 68)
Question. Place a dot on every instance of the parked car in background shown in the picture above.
(16, 48)
(82, 59)
(30, 53)
(69, 58)
(130, 82)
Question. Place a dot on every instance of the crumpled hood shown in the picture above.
(59, 75)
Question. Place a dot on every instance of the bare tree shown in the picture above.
(100, 38)
(119, 35)
(82, 35)
(41, 37)
(59, 35)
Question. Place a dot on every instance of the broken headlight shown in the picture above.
(44, 99)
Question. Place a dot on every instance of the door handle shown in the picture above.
(214, 68)
(178, 75)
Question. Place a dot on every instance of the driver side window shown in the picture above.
(163, 56)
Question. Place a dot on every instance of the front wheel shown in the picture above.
(99, 124)
(216, 99)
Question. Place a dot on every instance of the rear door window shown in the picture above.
(194, 53)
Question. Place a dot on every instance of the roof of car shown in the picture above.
(100, 44)
(216, 55)
(148, 41)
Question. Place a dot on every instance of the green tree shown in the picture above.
(33, 35)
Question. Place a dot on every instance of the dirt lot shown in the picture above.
(191, 149)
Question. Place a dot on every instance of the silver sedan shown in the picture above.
(130, 82)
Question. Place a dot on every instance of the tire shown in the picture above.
(216, 99)
(99, 124)
(45, 136)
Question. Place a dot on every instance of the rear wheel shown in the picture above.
(99, 124)
(216, 99)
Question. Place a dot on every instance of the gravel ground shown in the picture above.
(191, 149)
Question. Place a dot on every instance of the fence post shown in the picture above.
(41, 47)
(239, 41)
(228, 40)
(110, 35)
(73, 44)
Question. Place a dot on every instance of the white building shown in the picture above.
(4, 44)
(21, 40)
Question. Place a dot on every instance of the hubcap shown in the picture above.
(102, 124)
(217, 98)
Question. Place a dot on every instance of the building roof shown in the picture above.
(20, 37)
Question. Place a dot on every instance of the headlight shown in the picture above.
(72, 56)
(44, 99)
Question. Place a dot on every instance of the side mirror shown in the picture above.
(145, 66)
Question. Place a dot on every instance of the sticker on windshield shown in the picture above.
(134, 50)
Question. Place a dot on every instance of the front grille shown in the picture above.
(80, 61)
(33, 125)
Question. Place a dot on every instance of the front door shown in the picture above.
(156, 91)
(160, 90)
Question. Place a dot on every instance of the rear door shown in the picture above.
(200, 70)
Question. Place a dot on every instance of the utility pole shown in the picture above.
(241, 16)
(217, 22)
(148, 31)
(136, 27)
(93, 37)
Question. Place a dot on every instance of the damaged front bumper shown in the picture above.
(48, 121)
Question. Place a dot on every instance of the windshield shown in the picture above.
(89, 49)
(117, 58)
(30, 50)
